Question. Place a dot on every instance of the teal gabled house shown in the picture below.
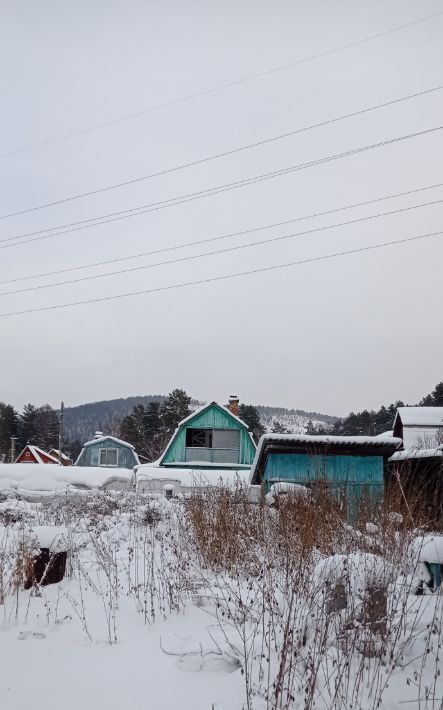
(107, 452)
(213, 437)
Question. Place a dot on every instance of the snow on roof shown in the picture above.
(417, 454)
(191, 478)
(37, 453)
(100, 439)
(420, 416)
(41, 477)
(325, 439)
(56, 453)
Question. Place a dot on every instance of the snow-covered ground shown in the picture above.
(151, 614)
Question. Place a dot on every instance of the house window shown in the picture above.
(108, 457)
(199, 438)
(213, 445)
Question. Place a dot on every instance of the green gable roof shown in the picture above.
(211, 416)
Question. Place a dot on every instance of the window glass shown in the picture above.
(226, 439)
(199, 438)
(108, 457)
(111, 457)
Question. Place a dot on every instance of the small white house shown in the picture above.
(419, 427)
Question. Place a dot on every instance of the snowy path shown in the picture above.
(64, 670)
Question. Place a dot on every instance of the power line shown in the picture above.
(223, 236)
(223, 277)
(216, 156)
(171, 202)
(236, 247)
(221, 87)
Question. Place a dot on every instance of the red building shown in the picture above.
(32, 454)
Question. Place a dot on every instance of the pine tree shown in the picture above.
(435, 399)
(143, 429)
(47, 428)
(72, 449)
(149, 428)
(175, 408)
(279, 428)
(28, 426)
(8, 428)
(310, 428)
(250, 416)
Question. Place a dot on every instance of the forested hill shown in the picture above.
(83, 421)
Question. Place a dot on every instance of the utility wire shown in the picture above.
(236, 247)
(223, 236)
(212, 279)
(224, 154)
(154, 206)
(221, 87)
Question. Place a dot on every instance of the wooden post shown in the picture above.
(60, 435)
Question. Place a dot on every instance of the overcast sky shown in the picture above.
(334, 335)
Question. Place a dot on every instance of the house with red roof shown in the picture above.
(33, 454)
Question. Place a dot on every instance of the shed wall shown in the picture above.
(422, 437)
(352, 475)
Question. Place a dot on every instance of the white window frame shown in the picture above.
(108, 465)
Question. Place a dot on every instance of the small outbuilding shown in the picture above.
(33, 454)
(107, 452)
(211, 437)
(350, 465)
(61, 457)
(419, 427)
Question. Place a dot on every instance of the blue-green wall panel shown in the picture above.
(352, 475)
(90, 456)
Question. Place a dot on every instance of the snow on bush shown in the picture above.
(294, 607)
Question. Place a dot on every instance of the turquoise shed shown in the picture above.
(211, 437)
(351, 465)
(108, 452)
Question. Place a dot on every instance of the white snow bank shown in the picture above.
(25, 477)
(358, 571)
(427, 548)
(287, 488)
(155, 479)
